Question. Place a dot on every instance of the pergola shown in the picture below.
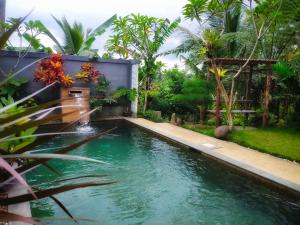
(251, 64)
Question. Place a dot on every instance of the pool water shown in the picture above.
(157, 184)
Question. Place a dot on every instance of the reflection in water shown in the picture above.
(158, 183)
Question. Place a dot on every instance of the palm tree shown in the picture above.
(76, 40)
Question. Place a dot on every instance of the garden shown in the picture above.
(238, 81)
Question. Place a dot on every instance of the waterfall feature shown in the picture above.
(84, 122)
(80, 97)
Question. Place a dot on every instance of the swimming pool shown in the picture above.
(158, 183)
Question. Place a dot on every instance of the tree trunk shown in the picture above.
(218, 107)
(230, 123)
(145, 95)
(267, 97)
(202, 110)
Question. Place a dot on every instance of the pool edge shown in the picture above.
(281, 185)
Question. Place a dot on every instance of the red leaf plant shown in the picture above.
(51, 70)
(88, 73)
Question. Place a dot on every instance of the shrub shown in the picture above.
(211, 122)
(153, 116)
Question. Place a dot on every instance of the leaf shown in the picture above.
(52, 156)
(80, 177)
(51, 191)
(43, 139)
(53, 170)
(18, 128)
(6, 216)
(101, 29)
(3, 82)
(6, 34)
(28, 111)
(61, 205)
(16, 175)
(63, 151)
(25, 98)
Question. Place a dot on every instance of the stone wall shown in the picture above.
(119, 72)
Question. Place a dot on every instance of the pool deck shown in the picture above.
(283, 173)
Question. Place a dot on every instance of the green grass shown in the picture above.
(280, 142)
(203, 130)
(284, 143)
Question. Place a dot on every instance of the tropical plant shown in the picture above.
(13, 86)
(18, 138)
(197, 93)
(168, 86)
(88, 73)
(141, 37)
(76, 40)
(51, 70)
(211, 39)
(126, 93)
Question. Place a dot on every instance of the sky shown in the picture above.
(92, 13)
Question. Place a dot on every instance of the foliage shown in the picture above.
(88, 73)
(12, 87)
(6, 30)
(101, 97)
(51, 70)
(102, 86)
(196, 92)
(153, 116)
(128, 94)
(18, 138)
(141, 37)
(76, 40)
(168, 86)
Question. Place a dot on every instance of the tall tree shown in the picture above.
(141, 37)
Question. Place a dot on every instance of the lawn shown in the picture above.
(281, 142)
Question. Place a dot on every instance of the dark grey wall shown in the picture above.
(117, 71)
(2, 9)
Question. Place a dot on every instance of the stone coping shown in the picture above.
(280, 173)
(39, 55)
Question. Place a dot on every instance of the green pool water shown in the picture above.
(157, 184)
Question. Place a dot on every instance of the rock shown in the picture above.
(173, 119)
(179, 121)
(221, 131)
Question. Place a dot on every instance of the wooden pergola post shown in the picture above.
(266, 100)
(249, 83)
